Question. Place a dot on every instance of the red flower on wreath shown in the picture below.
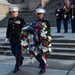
(26, 46)
(23, 36)
(42, 38)
(32, 53)
(45, 45)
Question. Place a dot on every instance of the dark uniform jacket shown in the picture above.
(14, 29)
(59, 11)
(48, 26)
(43, 20)
(66, 14)
(72, 13)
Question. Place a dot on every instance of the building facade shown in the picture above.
(4, 7)
(16, 1)
(28, 4)
(24, 5)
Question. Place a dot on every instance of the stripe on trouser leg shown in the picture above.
(45, 62)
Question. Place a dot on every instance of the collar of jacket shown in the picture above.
(40, 19)
(16, 17)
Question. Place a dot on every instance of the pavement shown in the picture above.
(54, 66)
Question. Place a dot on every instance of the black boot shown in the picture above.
(15, 70)
(42, 72)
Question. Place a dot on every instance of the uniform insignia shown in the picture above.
(18, 22)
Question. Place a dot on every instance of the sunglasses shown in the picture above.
(39, 13)
(13, 11)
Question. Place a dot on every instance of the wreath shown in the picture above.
(29, 35)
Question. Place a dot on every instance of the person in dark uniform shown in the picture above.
(59, 16)
(15, 24)
(40, 15)
(65, 19)
(72, 16)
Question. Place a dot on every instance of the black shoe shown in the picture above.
(73, 32)
(15, 71)
(41, 72)
(21, 61)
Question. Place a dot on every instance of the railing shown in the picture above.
(21, 7)
(72, 67)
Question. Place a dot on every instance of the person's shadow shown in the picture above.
(21, 72)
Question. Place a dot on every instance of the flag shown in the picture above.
(73, 1)
(67, 4)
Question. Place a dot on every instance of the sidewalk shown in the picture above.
(54, 67)
(29, 71)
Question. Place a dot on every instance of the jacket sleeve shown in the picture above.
(8, 30)
(70, 12)
(48, 25)
(23, 23)
(48, 28)
(55, 11)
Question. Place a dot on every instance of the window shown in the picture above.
(22, 1)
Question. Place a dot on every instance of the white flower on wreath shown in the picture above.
(45, 49)
(50, 45)
(43, 33)
(44, 28)
(24, 43)
(44, 24)
(50, 50)
(49, 38)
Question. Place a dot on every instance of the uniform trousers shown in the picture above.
(65, 22)
(58, 24)
(73, 25)
(16, 51)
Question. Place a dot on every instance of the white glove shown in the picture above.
(65, 16)
(57, 14)
(72, 6)
(64, 7)
(58, 10)
(6, 40)
(72, 17)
